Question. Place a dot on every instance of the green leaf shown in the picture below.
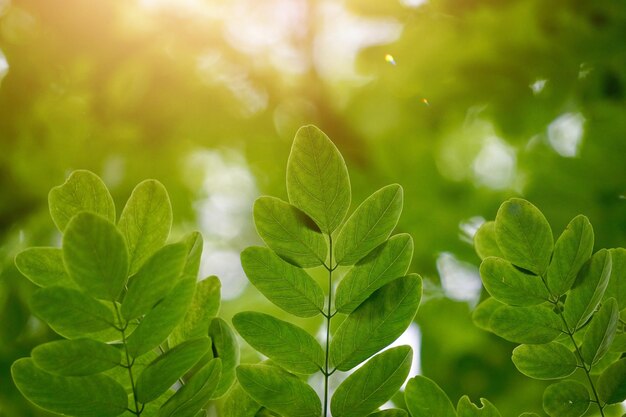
(70, 312)
(612, 383)
(529, 415)
(424, 398)
(485, 243)
(483, 312)
(387, 262)
(524, 235)
(531, 325)
(237, 403)
(194, 395)
(617, 283)
(465, 408)
(289, 232)
(95, 256)
(370, 225)
(204, 306)
(376, 323)
(373, 384)
(162, 319)
(278, 390)
(80, 396)
(161, 374)
(145, 221)
(566, 399)
(548, 361)
(285, 285)
(572, 250)
(154, 280)
(317, 178)
(619, 343)
(286, 344)
(82, 191)
(194, 244)
(76, 357)
(588, 290)
(599, 336)
(390, 412)
(226, 348)
(510, 285)
(43, 266)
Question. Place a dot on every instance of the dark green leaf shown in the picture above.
(599, 336)
(529, 415)
(483, 312)
(485, 243)
(286, 344)
(43, 266)
(95, 256)
(531, 325)
(424, 398)
(205, 305)
(588, 289)
(289, 232)
(376, 323)
(566, 399)
(80, 396)
(548, 361)
(573, 248)
(161, 374)
(162, 319)
(317, 178)
(279, 390)
(524, 235)
(617, 283)
(390, 412)
(387, 262)
(226, 348)
(82, 191)
(612, 383)
(145, 221)
(373, 384)
(465, 408)
(76, 357)
(619, 343)
(510, 285)
(370, 225)
(287, 286)
(154, 280)
(70, 312)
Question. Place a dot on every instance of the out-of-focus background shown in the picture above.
(463, 102)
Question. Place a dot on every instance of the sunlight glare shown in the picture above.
(565, 134)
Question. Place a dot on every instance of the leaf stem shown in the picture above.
(328, 318)
(129, 363)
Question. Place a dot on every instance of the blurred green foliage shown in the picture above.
(481, 100)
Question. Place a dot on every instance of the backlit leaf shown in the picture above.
(600, 333)
(194, 244)
(510, 285)
(237, 403)
(616, 287)
(390, 412)
(547, 361)
(483, 312)
(465, 408)
(485, 243)
(226, 348)
(612, 383)
(424, 398)
(204, 306)
(76, 357)
(43, 266)
(531, 325)
(566, 399)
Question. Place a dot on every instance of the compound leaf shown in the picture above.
(226, 348)
(601, 332)
(424, 398)
(612, 383)
(204, 306)
(194, 244)
(548, 361)
(566, 399)
(77, 357)
(237, 403)
(465, 408)
(43, 266)
(617, 283)
(483, 312)
(531, 325)
(510, 285)
(485, 243)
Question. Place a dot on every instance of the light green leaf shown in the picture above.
(619, 343)
(483, 312)
(424, 398)
(145, 221)
(237, 403)
(573, 248)
(82, 191)
(80, 396)
(617, 283)
(194, 244)
(588, 289)
(226, 348)
(76, 357)
(548, 361)
(204, 306)
(370, 225)
(376, 323)
(289, 232)
(390, 412)
(154, 280)
(485, 243)
(285, 285)
(95, 256)
(70, 312)
(566, 399)
(194, 395)
(524, 235)
(612, 383)
(279, 390)
(387, 262)
(531, 325)
(599, 336)
(373, 384)
(317, 178)
(161, 374)
(162, 319)
(510, 285)
(465, 408)
(286, 344)
(43, 266)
